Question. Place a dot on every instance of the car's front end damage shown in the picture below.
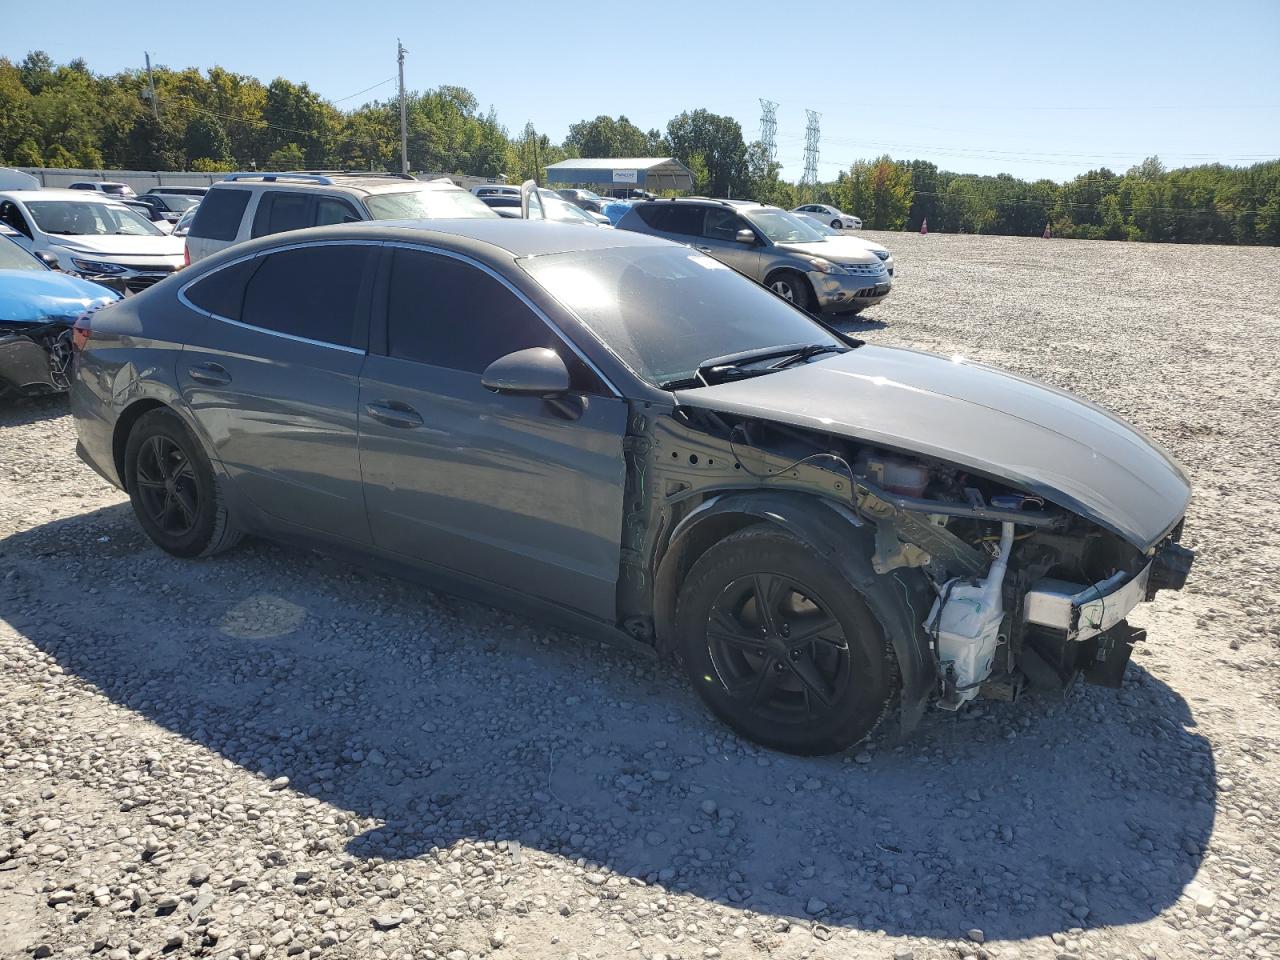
(38, 309)
(1012, 527)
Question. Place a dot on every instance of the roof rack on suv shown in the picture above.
(273, 177)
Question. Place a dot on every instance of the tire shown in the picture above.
(793, 287)
(823, 699)
(835, 224)
(175, 495)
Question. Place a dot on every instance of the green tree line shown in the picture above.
(54, 115)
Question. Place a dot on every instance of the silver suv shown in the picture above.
(771, 246)
(247, 205)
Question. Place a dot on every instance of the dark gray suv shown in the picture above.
(771, 246)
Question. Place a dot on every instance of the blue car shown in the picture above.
(38, 307)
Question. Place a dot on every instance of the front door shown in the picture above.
(720, 240)
(514, 490)
(273, 379)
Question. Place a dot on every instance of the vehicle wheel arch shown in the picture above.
(898, 600)
(799, 276)
(124, 426)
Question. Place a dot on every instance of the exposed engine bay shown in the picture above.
(1024, 592)
(35, 358)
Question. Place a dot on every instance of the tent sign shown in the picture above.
(626, 176)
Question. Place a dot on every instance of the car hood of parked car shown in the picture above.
(835, 249)
(43, 296)
(121, 245)
(1035, 437)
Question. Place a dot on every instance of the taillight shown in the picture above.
(80, 333)
(186, 254)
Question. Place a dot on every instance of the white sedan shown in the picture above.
(831, 216)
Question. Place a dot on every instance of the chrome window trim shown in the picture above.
(186, 301)
(537, 311)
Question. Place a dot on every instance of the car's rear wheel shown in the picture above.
(790, 285)
(174, 492)
(781, 646)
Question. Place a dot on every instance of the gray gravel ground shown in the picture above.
(273, 754)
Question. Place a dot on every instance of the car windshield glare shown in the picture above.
(818, 225)
(13, 257)
(782, 227)
(90, 218)
(426, 204)
(664, 310)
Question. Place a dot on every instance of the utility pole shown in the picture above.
(151, 87)
(404, 118)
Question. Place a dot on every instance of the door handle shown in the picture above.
(211, 373)
(394, 414)
(704, 249)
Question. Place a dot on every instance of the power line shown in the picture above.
(375, 86)
(189, 104)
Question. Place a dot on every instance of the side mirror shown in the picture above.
(48, 259)
(536, 371)
(745, 236)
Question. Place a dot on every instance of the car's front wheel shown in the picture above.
(836, 224)
(781, 646)
(790, 285)
(174, 492)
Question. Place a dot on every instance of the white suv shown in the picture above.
(247, 205)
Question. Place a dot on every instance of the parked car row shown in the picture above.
(619, 432)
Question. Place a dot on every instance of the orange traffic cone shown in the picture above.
(924, 226)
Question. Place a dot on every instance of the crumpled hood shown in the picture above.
(1035, 437)
(836, 250)
(40, 296)
(119, 245)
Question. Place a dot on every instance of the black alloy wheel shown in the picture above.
(175, 494)
(776, 649)
(781, 645)
(167, 486)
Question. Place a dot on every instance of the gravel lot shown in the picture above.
(274, 754)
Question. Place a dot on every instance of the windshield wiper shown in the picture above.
(733, 366)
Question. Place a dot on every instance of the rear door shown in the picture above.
(272, 378)
(514, 490)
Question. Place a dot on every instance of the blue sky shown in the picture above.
(1032, 88)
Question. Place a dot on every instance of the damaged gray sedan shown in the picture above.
(622, 435)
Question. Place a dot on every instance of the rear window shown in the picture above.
(219, 214)
(281, 211)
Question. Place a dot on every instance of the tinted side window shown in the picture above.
(449, 314)
(332, 210)
(723, 225)
(222, 291)
(218, 217)
(311, 292)
(279, 212)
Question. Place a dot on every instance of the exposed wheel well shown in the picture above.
(124, 426)
(794, 273)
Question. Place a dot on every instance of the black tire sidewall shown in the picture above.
(197, 540)
(871, 677)
(802, 297)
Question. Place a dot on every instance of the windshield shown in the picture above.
(85, 218)
(13, 257)
(426, 204)
(555, 207)
(665, 310)
(782, 227)
(818, 225)
(177, 202)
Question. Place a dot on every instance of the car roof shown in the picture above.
(56, 193)
(492, 239)
(350, 183)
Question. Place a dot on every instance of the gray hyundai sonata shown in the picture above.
(623, 435)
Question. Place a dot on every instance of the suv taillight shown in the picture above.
(186, 254)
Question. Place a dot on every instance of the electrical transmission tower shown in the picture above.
(810, 178)
(769, 128)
